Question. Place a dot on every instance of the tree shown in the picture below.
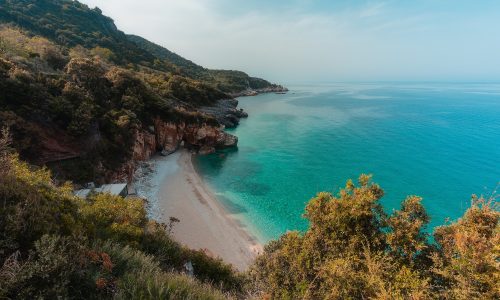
(330, 258)
(406, 238)
(352, 250)
(467, 265)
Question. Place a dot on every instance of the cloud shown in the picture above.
(367, 41)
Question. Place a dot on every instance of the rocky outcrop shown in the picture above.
(225, 112)
(167, 137)
(144, 146)
(255, 92)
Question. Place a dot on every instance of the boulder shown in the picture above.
(204, 150)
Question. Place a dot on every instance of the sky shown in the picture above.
(303, 41)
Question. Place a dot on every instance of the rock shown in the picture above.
(225, 112)
(241, 113)
(168, 137)
(166, 152)
(144, 145)
(231, 120)
(230, 140)
(201, 133)
(253, 92)
(204, 150)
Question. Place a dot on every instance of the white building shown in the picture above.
(118, 189)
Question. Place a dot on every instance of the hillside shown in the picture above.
(85, 99)
(55, 245)
(71, 23)
(229, 81)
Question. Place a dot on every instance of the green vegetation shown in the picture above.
(54, 245)
(70, 24)
(84, 106)
(353, 250)
(75, 90)
(227, 81)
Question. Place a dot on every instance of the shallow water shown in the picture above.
(438, 141)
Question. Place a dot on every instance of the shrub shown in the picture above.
(172, 256)
(467, 263)
(32, 206)
(352, 250)
(140, 277)
(57, 267)
(112, 217)
(54, 245)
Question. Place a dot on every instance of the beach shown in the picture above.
(174, 189)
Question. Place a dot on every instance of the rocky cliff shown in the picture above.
(225, 112)
(167, 137)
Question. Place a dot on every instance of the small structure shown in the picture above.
(117, 189)
(83, 193)
(188, 268)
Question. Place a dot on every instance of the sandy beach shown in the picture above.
(203, 221)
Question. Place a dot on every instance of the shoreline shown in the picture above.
(255, 92)
(204, 222)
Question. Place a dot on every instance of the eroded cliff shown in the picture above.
(166, 137)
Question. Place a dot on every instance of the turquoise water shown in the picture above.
(438, 141)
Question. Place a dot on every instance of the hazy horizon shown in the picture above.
(310, 41)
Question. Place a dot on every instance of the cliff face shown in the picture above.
(225, 112)
(167, 137)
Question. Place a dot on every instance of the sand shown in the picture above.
(174, 189)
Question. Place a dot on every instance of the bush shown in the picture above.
(352, 250)
(53, 244)
(106, 216)
(32, 206)
(57, 267)
(171, 255)
(142, 278)
(467, 263)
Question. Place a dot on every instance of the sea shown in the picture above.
(440, 141)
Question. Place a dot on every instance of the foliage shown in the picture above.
(142, 278)
(71, 23)
(71, 81)
(31, 207)
(191, 91)
(56, 267)
(95, 107)
(112, 217)
(353, 250)
(468, 263)
(227, 81)
(55, 245)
